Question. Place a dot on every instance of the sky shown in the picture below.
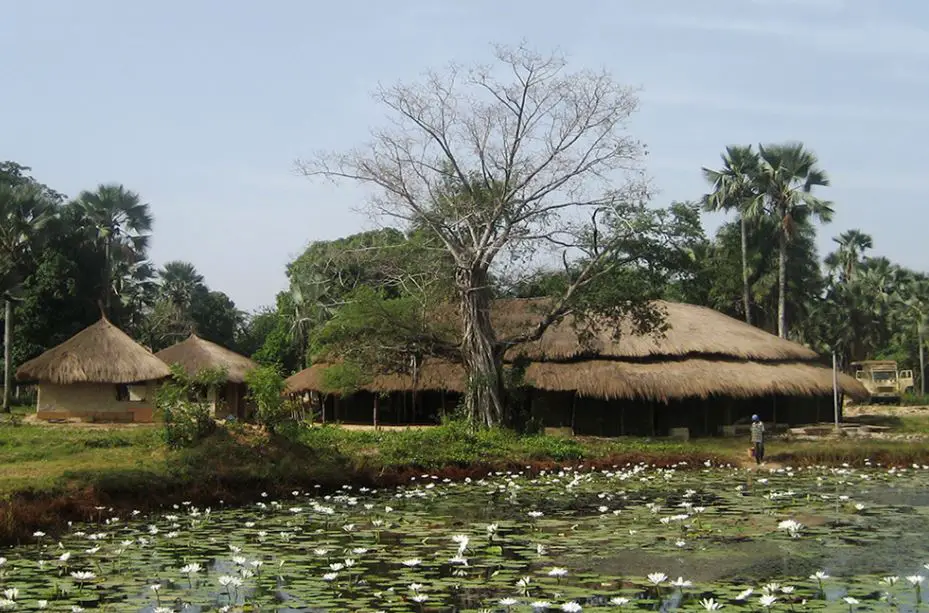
(203, 106)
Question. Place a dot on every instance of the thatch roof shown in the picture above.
(702, 353)
(691, 331)
(195, 354)
(100, 353)
(692, 378)
(434, 374)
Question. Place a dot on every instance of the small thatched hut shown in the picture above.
(420, 396)
(196, 355)
(99, 374)
(704, 372)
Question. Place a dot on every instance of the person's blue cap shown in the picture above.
(755, 418)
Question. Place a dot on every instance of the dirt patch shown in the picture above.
(883, 409)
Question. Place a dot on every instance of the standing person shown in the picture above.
(758, 438)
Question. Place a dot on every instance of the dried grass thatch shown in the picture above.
(195, 354)
(691, 378)
(691, 330)
(434, 374)
(100, 353)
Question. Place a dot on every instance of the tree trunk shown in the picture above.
(7, 339)
(922, 361)
(746, 287)
(782, 286)
(482, 359)
(107, 281)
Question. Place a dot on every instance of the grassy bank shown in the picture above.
(51, 474)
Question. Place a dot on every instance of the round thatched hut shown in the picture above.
(99, 374)
(705, 372)
(195, 355)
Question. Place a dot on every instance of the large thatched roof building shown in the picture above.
(196, 355)
(99, 374)
(703, 371)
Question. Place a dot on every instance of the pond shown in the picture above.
(628, 538)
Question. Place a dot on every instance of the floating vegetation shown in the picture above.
(572, 539)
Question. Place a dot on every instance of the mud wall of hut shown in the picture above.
(105, 402)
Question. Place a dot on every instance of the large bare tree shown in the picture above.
(501, 161)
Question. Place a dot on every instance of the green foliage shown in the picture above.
(266, 390)
(187, 419)
(377, 333)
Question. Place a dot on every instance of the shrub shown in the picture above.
(266, 390)
(186, 421)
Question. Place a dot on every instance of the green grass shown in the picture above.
(52, 473)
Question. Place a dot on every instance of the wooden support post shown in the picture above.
(377, 398)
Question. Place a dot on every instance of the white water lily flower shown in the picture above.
(767, 600)
(412, 562)
(330, 576)
(890, 580)
(571, 607)
(657, 578)
(819, 575)
(710, 604)
(681, 582)
(558, 572)
(83, 575)
(508, 602)
(743, 595)
(850, 600)
(540, 604)
(191, 569)
(915, 579)
(619, 601)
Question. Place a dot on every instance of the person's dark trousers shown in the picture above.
(759, 453)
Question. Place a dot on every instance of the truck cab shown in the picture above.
(882, 378)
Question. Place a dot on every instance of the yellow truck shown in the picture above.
(883, 380)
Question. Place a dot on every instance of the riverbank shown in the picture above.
(53, 474)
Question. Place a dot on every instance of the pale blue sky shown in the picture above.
(203, 105)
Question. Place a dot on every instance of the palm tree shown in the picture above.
(785, 181)
(121, 223)
(914, 297)
(178, 282)
(852, 246)
(24, 210)
(734, 188)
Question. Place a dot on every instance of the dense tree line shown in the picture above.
(64, 262)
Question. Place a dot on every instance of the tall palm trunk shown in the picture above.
(484, 397)
(782, 286)
(7, 339)
(922, 360)
(107, 276)
(746, 290)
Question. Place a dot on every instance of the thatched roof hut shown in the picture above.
(195, 354)
(701, 353)
(100, 353)
(433, 374)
